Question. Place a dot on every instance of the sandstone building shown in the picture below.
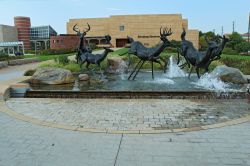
(144, 28)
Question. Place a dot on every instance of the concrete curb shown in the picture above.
(6, 85)
(11, 113)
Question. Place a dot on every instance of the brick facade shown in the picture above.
(23, 27)
(64, 42)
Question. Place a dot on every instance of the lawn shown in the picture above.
(236, 61)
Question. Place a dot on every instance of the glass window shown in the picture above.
(122, 28)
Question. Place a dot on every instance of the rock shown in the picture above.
(116, 65)
(52, 76)
(229, 74)
(3, 64)
(83, 77)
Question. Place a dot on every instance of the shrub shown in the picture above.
(62, 59)
(237, 61)
(229, 51)
(29, 72)
(242, 47)
(92, 46)
(51, 51)
(214, 64)
(73, 67)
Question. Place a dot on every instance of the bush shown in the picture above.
(51, 51)
(92, 46)
(237, 61)
(62, 59)
(8, 58)
(29, 72)
(171, 50)
(242, 47)
(229, 51)
(30, 51)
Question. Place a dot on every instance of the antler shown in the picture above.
(75, 28)
(166, 32)
(87, 29)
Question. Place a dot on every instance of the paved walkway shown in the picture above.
(131, 115)
(23, 144)
(13, 72)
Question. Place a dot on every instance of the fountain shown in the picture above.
(174, 70)
(173, 83)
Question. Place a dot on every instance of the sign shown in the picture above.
(150, 36)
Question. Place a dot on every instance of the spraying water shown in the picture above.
(211, 82)
(174, 70)
(122, 70)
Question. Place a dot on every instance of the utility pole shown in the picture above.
(214, 31)
(248, 38)
(233, 26)
(222, 31)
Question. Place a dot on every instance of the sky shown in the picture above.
(204, 15)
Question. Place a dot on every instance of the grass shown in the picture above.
(46, 57)
(236, 61)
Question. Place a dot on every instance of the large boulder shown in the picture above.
(116, 65)
(83, 77)
(52, 76)
(229, 74)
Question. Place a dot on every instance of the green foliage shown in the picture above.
(29, 72)
(92, 46)
(175, 43)
(214, 64)
(242, 47)
(62, 59)
(120, 52)
(51, 51)
(9, 58)
(237, 61)
(210, 36)
(73, 67)
(235, 38)
(229, 51)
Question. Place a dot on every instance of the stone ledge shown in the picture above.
(22, 61)
(3, 64)
(6, 85)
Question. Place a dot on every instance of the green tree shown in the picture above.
(242, 47)
(235, 39)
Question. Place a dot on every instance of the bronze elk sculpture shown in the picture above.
(96, 59)
(148, 54)
(199, 59)
(82, 48)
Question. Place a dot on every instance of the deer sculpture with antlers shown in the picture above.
(82, 48)
(148, 54)
(96, 59)
(198, 59)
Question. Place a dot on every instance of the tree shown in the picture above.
(210, 36)
(235, 39)
(242, 47)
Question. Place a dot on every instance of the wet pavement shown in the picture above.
(129, 114)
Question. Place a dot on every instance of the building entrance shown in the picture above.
(121, 42)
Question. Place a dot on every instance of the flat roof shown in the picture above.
(10, 44)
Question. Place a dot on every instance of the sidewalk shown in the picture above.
(23, 144)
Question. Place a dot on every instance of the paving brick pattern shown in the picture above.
(23, 144)
(142, 114)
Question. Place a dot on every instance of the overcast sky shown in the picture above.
(204, 15)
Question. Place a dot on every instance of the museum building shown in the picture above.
(143, 28)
